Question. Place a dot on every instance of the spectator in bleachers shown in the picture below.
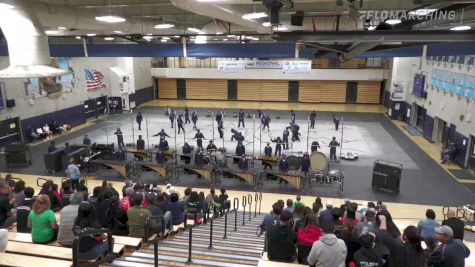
(83, 188)
(281, 239)
(90, 247)
(298, 201)
(290, 206)
(67, 148)
(203, 202)
(307, 234)
(390, 244)
(7, 218)
(176, 207)
(368, 255)
(32, 135)
(272, 218)
(223, 199)
(55, 190)
(326, 214)
(328, 251)
(300, 213)
(368, 224)
(351, 213)
(156, 210)
(66, 221)
(42, 221)
(186, 194)
(65, 193)
(455, 223)
(19, 192)
(126, 202)
(347, 234)
(337, 223)
(127, 184)
(23, 211)
(52, 147)
(95, 195)
(451, 252)
(195, 204)
(41, 134)
(426, 229)
(211, 195)
(137, 216)
(3, 240)
(9, 180)
(414, 255)
(317, 205)
(47, 189)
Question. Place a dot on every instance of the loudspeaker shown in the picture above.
(10, 103)
(386, 175)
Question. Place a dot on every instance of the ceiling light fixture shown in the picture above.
(91, 34)
(282, 29)
(148, 38)
(254, 15)
(195, 30)
(51, 32)
(110, 18)
(200, 39)
(266, 24)
(118, 32)
(231, 35)
(371, 28)
(62, 28)
(6, 6)
(461, 28)
(225, 39)
(109, 38)
(78, 37)
(164, 26)
(393, 21)
(163, 40)
(176, 36)
(219, 33)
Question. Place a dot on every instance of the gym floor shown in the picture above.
(366, 131)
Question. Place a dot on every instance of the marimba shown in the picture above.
(271, 161)
(141, 154)
(248, 175)
(125, 168)
(162, 169)
(293, 177)
(205, 171)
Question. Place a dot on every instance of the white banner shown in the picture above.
(297, 67)
(231, 66)
(264, 64)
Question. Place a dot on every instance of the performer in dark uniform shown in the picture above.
(199, 139)
(313, 117)
(243, 163)
(211, 147)
(305, 167)
(265, 120)
(333, 145)
(220, 129)
(292, 117)
(241, 118)
(336, 121)
(295, 132)
(285, 138)
(162, 133)
(86, 141)
(120, 138)
(240, 149)
(278, 145)
(139, 120)
(235, 135)
(259, 113)
(163, 145)
(171, 117)
(199, 157)
(179, 123)
(283, 167)
(187, 150)
(315, 146)
(160, 157)
(194, 117)
(219, 117)
(140, 143)
(267, 153)
(187, 116)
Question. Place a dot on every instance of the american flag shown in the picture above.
(95, 79)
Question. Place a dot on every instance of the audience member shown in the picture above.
(19, 192)
(328, 251)
(451, 252)
(42, 221)
(281, 239)
(66, 220)
(126, 202)
(326, 215)
(272, 218)
(347, 234)
(137, 216)
(194, 203)
(350, 213)
(23, 211)
(156, 210)
(414, 255)
(317, 205)
(426, 229)
(186, 194)
(65, 193)
(368, 255)
(298, 202)
(176, 207)
(90, 246)
(7, 218)
(307, 234)
(290, 206)
(223, 199)
(455, 223)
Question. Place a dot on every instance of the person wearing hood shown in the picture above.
(281, 239)
(368, 255)
(328, 251)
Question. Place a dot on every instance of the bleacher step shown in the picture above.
(196, 259)
(205, 246)
(211, 253)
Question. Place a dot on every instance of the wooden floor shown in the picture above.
(268, 105)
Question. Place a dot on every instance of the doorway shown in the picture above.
(438, 132)
(351, 92)
(293, 91)
(419, 117)
(181, 89)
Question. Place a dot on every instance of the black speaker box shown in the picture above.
(10, 103)
(386, 176)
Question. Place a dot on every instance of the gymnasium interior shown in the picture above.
(350, 102)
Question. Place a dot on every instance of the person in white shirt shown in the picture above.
(41, 134)
(47, 131)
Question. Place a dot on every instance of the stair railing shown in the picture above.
(235, 208)
(260, 202)
(249, 201)
(110, 247)
(190, 234)
(159, 234)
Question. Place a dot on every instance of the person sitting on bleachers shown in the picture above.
(307, 234)
(23, 210)
(19, 192)
(90, 247)
(42, 221)
(448, 153)
(47, 131)
(7, 218)
(47, 189)
(328, 250)
(33, 136)
(154, 208)
(66, 221)
(137, 216)
(195, 204)
(52, 147)
(176, 207)
(41, 134)
(54, 127)
(281, 239)
(368, 255)
(65, 128)
(272, 218)
(65, 193)
(67, 148)
(223, 199)
(126, 202)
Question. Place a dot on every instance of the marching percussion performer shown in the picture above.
(187, 116)
(315, 146)
(333, 145)
(211, 147)
(267, 153)
(120, 138)
(162, 133)
(187, 150)
(179, 123)
(278, 145)
(172, 117)
(139, 120)
(240, 149)
(285, 138)
(283, 167)
(241, 119)
(336, 121)
(199, 157)
(305, 165)
(160, 157)
(313, 117)
(295, 132)
(199, 138)
(243, 163)
(163, 145)
(292, 117)
(220, 129)
(194, 117)
(265, 120)
(140, 143)
(219, 116)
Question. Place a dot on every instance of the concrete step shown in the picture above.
(205, 246)
(222, 242)
(211, 253)
(198, 259)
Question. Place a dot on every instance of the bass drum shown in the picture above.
(294, 163)
(318, 162)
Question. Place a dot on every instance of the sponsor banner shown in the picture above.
(231, 66)
(264, 64)
(297, 67)
(290, 67)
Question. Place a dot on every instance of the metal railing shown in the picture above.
(211, 221)
(249, 201)
(159, 234)
(109, 257)
(260, 202)
(235, 209)
(190, 234)
(244, 203)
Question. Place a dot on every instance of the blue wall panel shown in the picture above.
(66, 50)
(3, 50)
(143, 95)
(265, 50)
(451, 49)
(135, 50)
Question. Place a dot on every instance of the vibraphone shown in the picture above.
(205, 171)
(249, 176)
(270, 161)
(141, 154)
(125, 168)
(293, 177)
(163, 169)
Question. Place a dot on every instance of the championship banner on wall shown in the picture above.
(231, 66)
(264, 64)
(297, 67)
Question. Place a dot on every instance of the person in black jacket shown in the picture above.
(120, 138)
(163, 145)
(281, 239)
(414, 255)
(23, 210)
(278, 145)
(171, 117)
(139, 120)
(140, 143)
(283, 167)
(179, 122)
(199, 138)
(315, 146)
(161, 157)
(86, 140)
(265, 120)
(162, 133)
(292, 117)
(455, 223)
(312, 117)
(220, 129)
(368, 255)
(194, 117)
(285, 138)
(187, 116)
(240, 149)
(187, 150)
(241, 119)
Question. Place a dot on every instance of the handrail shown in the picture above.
(225, 224)
(244, 203)
(155, 240)
(190, 234)
(260, 202)
(236, 206)
(110, 247)
(211, 220)
(249, 201)
(40, 179)
(256, 199)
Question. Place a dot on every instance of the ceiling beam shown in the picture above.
(376, 36)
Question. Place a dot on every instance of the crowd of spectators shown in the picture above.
(359, 236)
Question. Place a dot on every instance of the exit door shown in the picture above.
(351, 92)
(181, 89)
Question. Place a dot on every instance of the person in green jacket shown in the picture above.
(42, 221)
